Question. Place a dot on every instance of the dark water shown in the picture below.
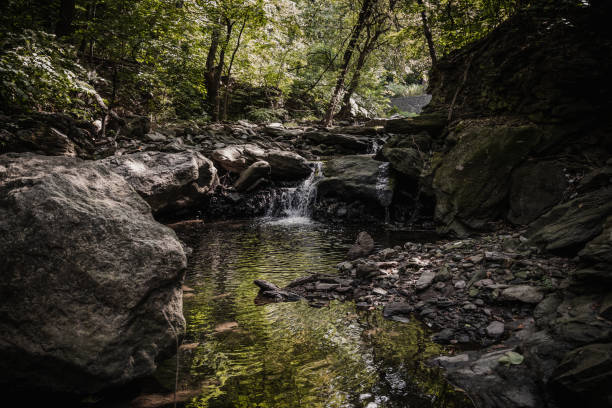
(288, 354)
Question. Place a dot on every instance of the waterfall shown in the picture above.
(295, 203)
(384, 190)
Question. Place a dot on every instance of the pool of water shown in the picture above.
(238, 354)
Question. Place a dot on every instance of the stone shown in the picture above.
(379, 291)
(364, 270)
(251, 176)
(495, 329)
(167, 181)
(432, 123)
(425, 280)
(237, 158)
(91, 282)
(407, 161)
(522, 293)
(599, 249)
(356, 178)
(397, 308)
(364, 246)
(341, 143)
(460, 284)
(287, 165)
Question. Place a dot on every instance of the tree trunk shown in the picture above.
(364, 14)
(229, 70)
(427, 32)
(210, 81)
(66, 16)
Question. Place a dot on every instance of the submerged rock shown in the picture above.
(90, 280)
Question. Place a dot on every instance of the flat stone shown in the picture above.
(425, 280)
(379, 291)
(460, 284)
(397, 308)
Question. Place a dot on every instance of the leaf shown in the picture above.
(511, 357)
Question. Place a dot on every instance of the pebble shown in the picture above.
(495, 329)
(460, 284)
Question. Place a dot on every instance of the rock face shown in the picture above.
(251, 176)
(167, 181)
(471, 182)
(88, 277)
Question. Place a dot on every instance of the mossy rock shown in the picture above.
(432, 123)
(472, 181)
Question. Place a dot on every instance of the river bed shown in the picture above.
(239, 354)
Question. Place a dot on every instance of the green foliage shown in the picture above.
(511, 357)
(266, 115)
(37, 72)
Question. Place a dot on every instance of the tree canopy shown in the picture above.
(229, 59)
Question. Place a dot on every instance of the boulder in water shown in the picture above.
(90, 281)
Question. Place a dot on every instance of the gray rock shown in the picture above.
(397, 308)
(522, 293)
(166, 180)
(237, 158)
(251, 176)
(356, 178)
(586, 370)
(287, 165)
(495, 329)
(425, 280)
(460, 284)
(87, 277)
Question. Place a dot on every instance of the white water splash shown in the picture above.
(294, 205)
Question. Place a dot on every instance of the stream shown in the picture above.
(239, 354)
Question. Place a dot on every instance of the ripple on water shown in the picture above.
(289, 354)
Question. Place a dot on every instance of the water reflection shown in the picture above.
(289, 354)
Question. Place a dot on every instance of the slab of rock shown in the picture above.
(522, 293)
(89, 277)
(425, 280)
(397, 308)
(287, 165)
(362, 247)
(167, 180)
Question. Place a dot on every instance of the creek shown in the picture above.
(239, 354)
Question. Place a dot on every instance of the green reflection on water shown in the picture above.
(289, 354)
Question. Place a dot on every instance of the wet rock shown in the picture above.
(522, 293)
(425, 280)
(341, 143)
(599, 249)
(362, 247)
(251, 176)
(167, 180)
(495, 329)
(397, 309)
(89, 277)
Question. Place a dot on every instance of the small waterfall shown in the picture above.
(296, 203)
(384, 189)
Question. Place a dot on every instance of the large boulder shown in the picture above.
(432, 124)
(472, 180)
(341, 143)
(167, 180)
(358, 177)
(237, 158)
(287, 165)
(90, 282)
